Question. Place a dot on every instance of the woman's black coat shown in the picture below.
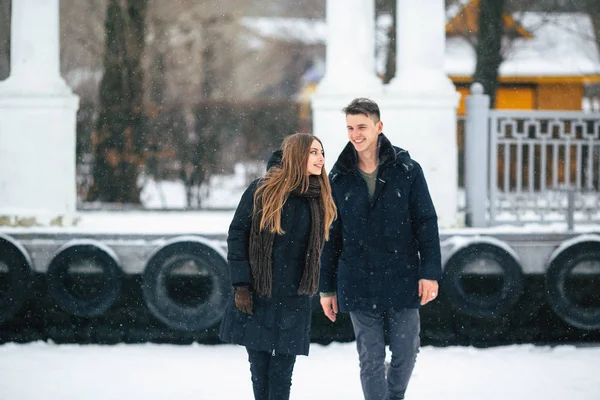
(281, 323)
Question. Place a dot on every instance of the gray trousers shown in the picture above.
(404, 329)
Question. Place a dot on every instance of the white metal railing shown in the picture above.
(538, 158)
(530, 166)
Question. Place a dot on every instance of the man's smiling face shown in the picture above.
(363, 131)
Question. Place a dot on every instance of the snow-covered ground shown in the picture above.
(217, 222)
(215, 218)
(201, 372)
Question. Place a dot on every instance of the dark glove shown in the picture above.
(243, 299)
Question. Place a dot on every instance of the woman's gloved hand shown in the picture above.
(243, 299)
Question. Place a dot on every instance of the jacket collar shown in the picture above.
(348, 159)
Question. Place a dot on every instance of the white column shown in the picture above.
(419, 105)
(35, 48)
(420, 45)
(476, 156)
(349, 73)
(350, 47)
(37, 118)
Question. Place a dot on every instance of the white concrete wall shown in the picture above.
(37, 118)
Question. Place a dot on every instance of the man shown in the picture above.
(383, 257)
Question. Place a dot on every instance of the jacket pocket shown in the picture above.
(397, 240)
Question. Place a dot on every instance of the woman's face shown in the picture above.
(316, 158)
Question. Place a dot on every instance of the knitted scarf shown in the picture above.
(261, 245)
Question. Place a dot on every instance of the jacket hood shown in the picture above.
(275, 159)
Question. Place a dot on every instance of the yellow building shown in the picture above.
(551, 60)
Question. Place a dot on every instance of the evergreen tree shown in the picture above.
(119, 135)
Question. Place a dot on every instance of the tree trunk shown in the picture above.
(209, 74)
(489, 46)
(119, 136)
(390, 64)
(5, 27)
(592, 7)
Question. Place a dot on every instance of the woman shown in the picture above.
(274, 245)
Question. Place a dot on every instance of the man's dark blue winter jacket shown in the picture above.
(380, 248)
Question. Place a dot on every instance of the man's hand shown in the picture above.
(428, 290)
(330, 307)
(243, 299)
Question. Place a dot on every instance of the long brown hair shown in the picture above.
(279, 181)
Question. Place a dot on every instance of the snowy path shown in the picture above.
(43, 371)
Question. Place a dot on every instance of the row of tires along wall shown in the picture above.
(185, 281)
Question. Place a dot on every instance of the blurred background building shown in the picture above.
(222, 82)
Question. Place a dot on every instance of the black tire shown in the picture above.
(93, 302)
(488, 305)
(16, 277)
(475, 331)
(561, 301)
(213, 290)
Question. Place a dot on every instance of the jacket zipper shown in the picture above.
(276, 330)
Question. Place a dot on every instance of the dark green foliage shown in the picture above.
(119, 137)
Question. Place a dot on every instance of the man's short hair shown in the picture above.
(363, 106)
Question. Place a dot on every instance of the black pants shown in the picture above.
(271, 374)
